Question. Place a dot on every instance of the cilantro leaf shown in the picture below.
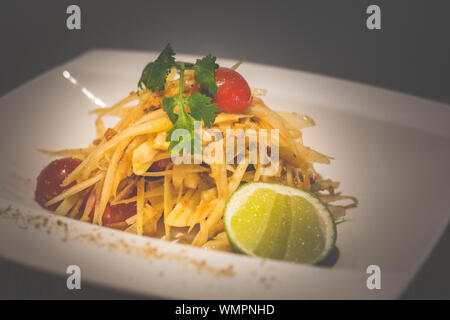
(184, 137)
(202, 109)
(155, 73)
(168, 105)
(204, 73)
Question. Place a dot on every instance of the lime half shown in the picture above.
(280, 222)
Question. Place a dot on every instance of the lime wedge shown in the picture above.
(279, 222)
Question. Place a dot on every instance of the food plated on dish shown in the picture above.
(197, 157)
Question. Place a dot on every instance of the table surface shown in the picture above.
(409, 54)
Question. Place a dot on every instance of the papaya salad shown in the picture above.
(127, 178)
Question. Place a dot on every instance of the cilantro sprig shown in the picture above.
(204, 73)
(154, 77)
(155, 73)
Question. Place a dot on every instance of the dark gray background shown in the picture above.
(410, 54)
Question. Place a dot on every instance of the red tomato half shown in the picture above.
(118, 213)
(50, 179)
(233, 92)
(115, 216)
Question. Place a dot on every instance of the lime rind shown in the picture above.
(240, 196)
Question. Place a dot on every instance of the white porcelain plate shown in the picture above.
(392, 151)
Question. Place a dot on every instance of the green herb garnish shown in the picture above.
(154, 77)
(204, 73)
(155, 73)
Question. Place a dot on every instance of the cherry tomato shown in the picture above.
(50, 179)
(118, 213)
(115, 216)
(233, 92)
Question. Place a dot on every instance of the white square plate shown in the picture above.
(392, 151)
